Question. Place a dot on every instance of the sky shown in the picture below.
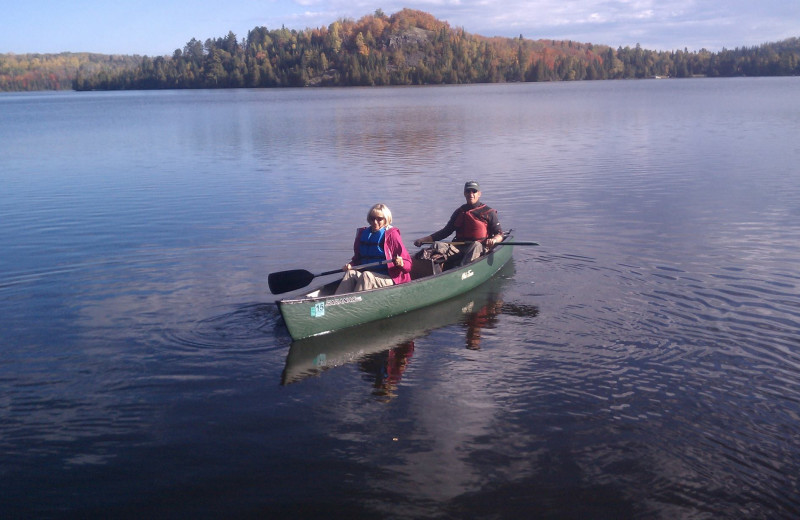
(154, 28)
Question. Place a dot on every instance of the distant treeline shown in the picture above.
(407, 48)
(29, 72)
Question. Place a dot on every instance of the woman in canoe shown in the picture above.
(375, 243)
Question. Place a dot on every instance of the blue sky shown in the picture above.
(159, 27)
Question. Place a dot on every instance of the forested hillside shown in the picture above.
(28, 72)
(407, 48)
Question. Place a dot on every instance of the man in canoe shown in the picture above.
(474, 223)
(378, 242)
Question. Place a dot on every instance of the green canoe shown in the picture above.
(320, 311)
(312, 356)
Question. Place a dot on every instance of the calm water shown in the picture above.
(643, 362)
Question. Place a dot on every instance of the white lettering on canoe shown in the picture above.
(343, 301)
(466, 275)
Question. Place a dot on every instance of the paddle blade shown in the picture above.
(286, 281)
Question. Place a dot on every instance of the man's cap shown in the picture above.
(472, 185)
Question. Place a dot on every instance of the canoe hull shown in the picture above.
(312, 315)
(312, 356)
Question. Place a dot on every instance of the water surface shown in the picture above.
(643, 362)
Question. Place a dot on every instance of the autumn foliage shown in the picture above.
(29, 72)
(407, 48)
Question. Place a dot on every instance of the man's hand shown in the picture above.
(490, 242)
(424, 240)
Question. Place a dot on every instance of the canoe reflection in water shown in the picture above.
(486, 316)
(384, 348)
(387, 368)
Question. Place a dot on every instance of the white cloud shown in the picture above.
(660, 25)
(664, 25)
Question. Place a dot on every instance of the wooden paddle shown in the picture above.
(509, 243)
(285, 281)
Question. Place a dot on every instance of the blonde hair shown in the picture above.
(383, 208)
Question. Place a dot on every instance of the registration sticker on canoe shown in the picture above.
(318, 310)
(467, 274)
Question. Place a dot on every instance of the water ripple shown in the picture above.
(247, 328)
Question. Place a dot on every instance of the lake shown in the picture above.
(642, 362)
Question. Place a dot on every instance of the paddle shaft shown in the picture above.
(509, 243)
(354, 267)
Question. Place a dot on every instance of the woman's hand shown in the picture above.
(398, 261)
(347, 267)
